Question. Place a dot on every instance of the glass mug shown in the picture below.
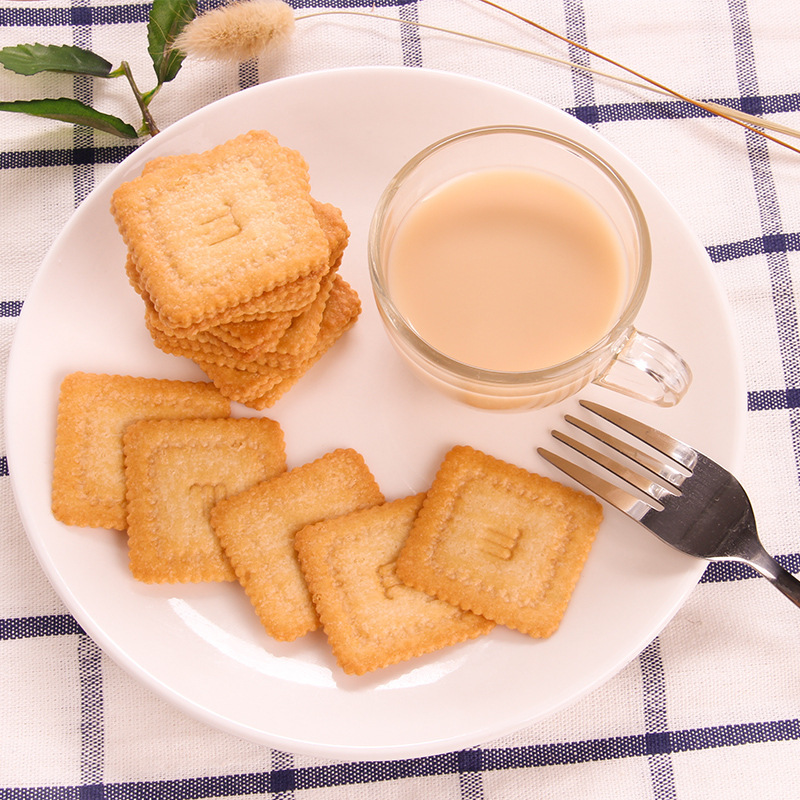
(623, 359)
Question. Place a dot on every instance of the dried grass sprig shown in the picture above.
(241, 30)
(717, 109)
(750, 122)
(237, 31)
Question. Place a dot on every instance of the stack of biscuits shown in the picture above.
(237, 264)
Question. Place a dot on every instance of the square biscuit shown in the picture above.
(258, 526)
(212, 231)
(500, 541)
(93, 412)
(370, 617)
(175, 471)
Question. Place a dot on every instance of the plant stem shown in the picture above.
(147, 117)
(714, 108)
(732, 115)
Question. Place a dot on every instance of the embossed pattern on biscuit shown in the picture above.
(499, 543)
(176, 473)
(387, 577)
(498, 540)
(370, 617)
(218, 225)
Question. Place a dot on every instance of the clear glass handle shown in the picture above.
(648, 369)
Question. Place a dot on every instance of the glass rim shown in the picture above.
(442, 361)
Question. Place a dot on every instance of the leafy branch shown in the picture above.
(166, 21)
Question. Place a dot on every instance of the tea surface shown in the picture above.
(510, 270)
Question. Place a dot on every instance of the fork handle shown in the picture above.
(781, 579)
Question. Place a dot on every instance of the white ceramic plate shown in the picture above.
(201, 647)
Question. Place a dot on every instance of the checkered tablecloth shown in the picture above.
(711, 708)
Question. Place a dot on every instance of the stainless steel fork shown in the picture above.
(690, 502)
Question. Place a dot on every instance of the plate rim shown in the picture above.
(84, 617)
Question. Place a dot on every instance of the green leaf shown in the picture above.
(167, 19)
(29, 59)
(66, 109)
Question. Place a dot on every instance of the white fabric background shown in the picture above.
(729, 658)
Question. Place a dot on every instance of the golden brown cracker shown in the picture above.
(215, 230)
(93, 411)
(257, 529)
(370, 617)
(500, 541)
(176, 470)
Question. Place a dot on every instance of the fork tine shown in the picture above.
(678, 451)
(619, 498)
(656, 491)
(656, 466)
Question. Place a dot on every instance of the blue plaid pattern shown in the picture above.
(525, 765)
